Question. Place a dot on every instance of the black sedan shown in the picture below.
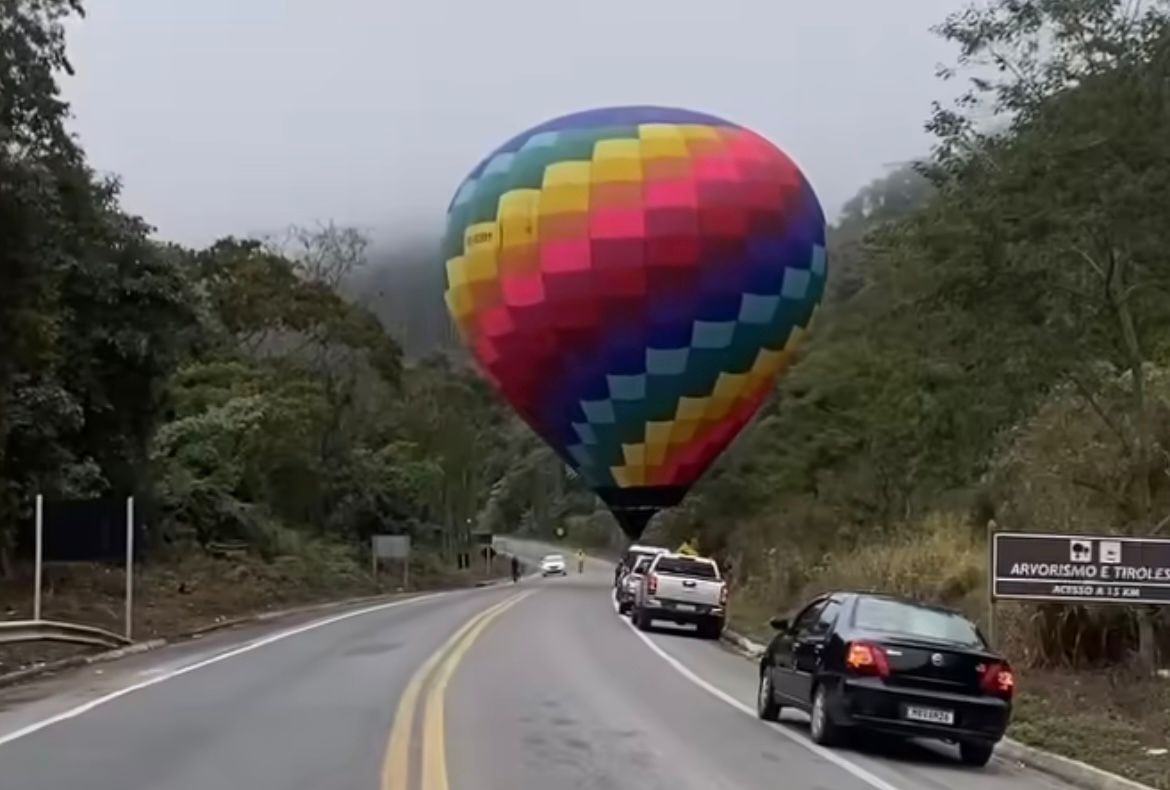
(863, 661)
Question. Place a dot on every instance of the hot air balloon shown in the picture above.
(633, 280)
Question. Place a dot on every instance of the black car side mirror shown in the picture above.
(779, 623)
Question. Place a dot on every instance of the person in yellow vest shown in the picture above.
(688, 549)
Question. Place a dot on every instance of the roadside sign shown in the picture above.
(391, 547)
(1084, 568)
(84, 530)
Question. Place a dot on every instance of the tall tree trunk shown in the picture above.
(1147, 631)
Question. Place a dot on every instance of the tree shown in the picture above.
(93, 313)
(328, 253)
(1071, 201)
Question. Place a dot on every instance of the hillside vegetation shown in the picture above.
(997, 341)
(237, 391)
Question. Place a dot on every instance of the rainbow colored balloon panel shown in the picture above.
(633, 280)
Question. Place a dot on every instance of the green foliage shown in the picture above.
(235, 389)
(93, 314)
(991, 349)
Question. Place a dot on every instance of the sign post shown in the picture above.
(484, 539)
(129, 565)
(991, 526)
(1080, 568)
(391, 547)
(84, 530)
(40, 543)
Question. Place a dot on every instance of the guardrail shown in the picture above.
(227, 548)
(17, 631)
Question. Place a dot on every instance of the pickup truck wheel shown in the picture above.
(766, 706)
(821, 726)
(710, 628)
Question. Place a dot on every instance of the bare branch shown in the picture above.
(1095, 405)
(1130, 291)
(1089, 260)
(1088, 297)
(1118, 499)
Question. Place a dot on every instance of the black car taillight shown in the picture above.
(652, 584)
(866, 658)
(998, 680)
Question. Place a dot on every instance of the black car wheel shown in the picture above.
(822, 728)
(975, 754)
(641, 620)
(766, 706)
(623, 607)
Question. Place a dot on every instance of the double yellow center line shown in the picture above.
(433, 767)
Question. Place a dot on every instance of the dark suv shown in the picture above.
(866, 661)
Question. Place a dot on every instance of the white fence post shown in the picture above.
(129, 566)
(40, 531)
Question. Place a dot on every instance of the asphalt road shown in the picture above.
(516, 687)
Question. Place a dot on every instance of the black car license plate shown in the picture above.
(929, 715)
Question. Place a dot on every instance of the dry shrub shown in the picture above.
(1065, 636)
(1064, 470)
(939, 560)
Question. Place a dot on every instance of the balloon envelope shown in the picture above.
(633, 280)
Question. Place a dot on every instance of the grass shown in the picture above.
(1111, 719)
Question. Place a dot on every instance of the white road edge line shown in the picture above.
(183, 670)
(833, 757)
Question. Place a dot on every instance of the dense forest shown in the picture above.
(996, 342)
(242, 392)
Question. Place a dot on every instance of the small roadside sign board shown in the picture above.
(391, 547)
(1080, 568)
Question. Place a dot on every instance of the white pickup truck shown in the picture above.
(682, 589)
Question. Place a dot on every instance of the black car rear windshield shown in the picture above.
(684, 566)
(899, 617)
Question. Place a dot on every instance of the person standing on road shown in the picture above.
(580, 561)
(515, 569)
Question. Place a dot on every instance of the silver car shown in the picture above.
(553, 565)
(628, 586)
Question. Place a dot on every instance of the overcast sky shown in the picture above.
(242, 116)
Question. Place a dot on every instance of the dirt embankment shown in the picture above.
(175, 598)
